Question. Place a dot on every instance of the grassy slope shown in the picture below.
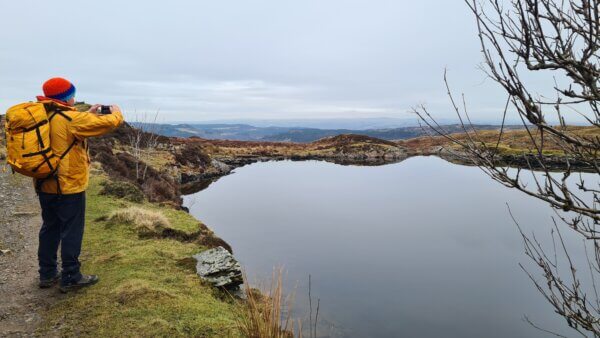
(145, 288)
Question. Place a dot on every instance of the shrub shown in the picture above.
(157, 186)
(160, 190)
(192, 154)
(122, 189)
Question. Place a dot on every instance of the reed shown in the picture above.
(268, 312)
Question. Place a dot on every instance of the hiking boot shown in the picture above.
(86, 280)
(48, 283)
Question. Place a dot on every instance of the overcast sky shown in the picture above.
(207, 60)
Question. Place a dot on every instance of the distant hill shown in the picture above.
(310, 135)
(326, 123)
(245, 132)
(238, 132)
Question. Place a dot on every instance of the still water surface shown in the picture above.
(421, 248)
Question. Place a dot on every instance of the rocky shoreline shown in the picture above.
(223, 166)
(521, 161)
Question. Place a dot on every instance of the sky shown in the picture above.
(250, 59)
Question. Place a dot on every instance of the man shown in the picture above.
(62, 198)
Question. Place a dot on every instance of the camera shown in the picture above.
(104, 110)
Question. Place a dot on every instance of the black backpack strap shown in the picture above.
(61, 113)
(68, 149)
(54, 173)
(36, 126)
(54, 110)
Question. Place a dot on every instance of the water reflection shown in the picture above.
(421, 248)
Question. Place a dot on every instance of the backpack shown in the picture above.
(27, 127)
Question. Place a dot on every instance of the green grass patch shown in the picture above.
(144, 289)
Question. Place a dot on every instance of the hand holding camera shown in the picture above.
(104, 110)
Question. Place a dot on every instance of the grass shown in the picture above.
(145, 287)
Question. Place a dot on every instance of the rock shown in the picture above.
(4, 252)
(220, 166)
(219, 268)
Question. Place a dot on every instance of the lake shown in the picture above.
(420, 248)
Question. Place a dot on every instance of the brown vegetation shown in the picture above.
(327, 148)
(157, 184)
(192, 154)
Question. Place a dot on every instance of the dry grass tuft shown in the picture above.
(267, 312)
(145, 221)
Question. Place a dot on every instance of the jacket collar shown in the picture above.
(58, 102)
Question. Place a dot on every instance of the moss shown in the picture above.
(144, 290)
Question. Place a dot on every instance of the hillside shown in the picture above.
(240, 132)
(512, 142)
(310, 135)
(512, 148)
(245, 132)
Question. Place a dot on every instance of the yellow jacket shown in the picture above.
(73, 169)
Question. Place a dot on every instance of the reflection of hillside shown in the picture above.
(170, 164)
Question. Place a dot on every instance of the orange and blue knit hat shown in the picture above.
(59, 89)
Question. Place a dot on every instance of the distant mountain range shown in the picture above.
(245, 132)
(324, 123)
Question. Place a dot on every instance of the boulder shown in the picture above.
(221, 167)
(219, 268)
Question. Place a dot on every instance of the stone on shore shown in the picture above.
(219, 268)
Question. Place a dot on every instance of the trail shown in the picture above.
(22, 302)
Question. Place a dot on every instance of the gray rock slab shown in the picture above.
(219, 268)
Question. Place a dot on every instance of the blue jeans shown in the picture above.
(63, 221)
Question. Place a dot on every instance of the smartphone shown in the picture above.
(104, 110)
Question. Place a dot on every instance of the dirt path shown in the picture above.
(21, 301)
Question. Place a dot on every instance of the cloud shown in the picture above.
(230, 99)
(198, 60)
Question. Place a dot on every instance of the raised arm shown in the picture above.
(90, 124)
